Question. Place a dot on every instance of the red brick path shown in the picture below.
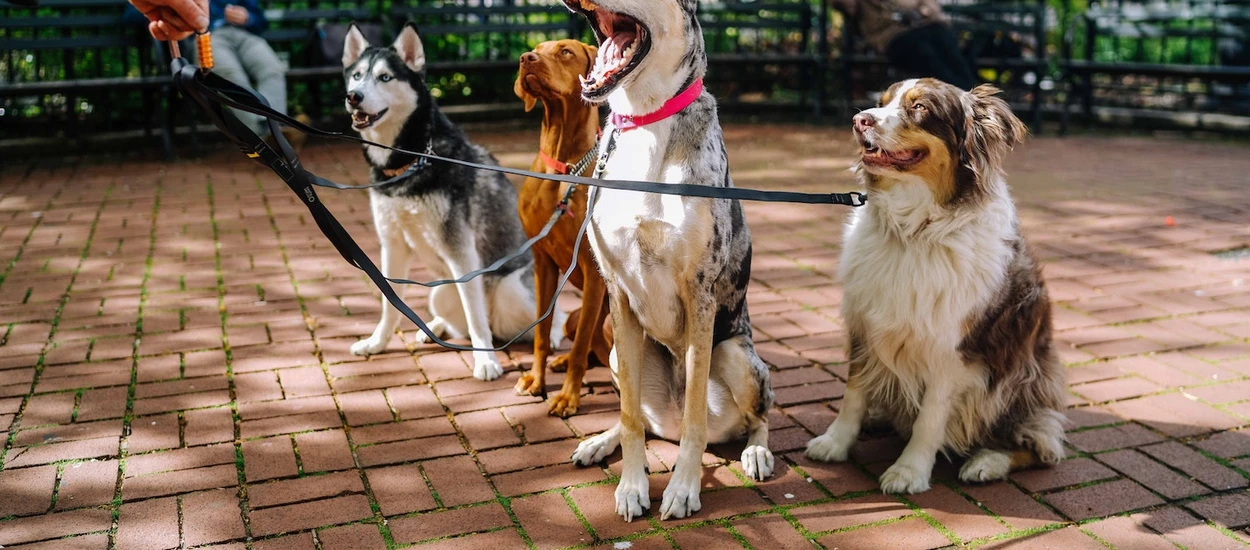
(174, 371)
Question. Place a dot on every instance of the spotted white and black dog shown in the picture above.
(676, 268)
(455, 219)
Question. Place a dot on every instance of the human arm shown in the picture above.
(247, 15)
(173, 19)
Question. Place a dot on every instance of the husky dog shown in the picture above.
(947, 316)
(676, 268)
(454, 219)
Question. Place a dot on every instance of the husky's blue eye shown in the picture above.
(385, 78)
(356, 75)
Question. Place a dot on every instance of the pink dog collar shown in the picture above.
(671, 107)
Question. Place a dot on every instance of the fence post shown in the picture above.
(822, 61)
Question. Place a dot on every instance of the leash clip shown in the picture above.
(854, 199)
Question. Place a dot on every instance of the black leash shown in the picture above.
(286, 164)
(241, 99)
(213, 93)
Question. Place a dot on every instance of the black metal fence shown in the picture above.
(76, 67)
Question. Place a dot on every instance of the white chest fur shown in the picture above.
(418, 224)
(914, 273)
(640, 238)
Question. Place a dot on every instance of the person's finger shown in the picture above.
(193, 12)
(158, 33)
(175, 21)
(161, 30)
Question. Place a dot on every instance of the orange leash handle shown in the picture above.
(204, 46)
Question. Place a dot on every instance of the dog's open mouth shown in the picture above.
(874, 155)
(623, 43)
(362, 120)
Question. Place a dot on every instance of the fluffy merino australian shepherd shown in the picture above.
(948, 321)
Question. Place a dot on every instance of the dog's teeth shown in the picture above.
(589, 6)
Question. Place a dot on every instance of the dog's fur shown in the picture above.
(454, 219)
(677, 268)
(570, 126)
(948, 320)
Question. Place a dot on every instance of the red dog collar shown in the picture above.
(559, 167)
(563, 168)
(671, 107)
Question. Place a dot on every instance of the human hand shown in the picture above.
(173, 19)
(237, 15)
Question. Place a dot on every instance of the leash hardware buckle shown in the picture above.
(854, 199)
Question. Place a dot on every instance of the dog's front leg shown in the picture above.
(396, 258)
(589, 327)
(681, 497)
(911, 472)
(476, 314)
(546, 278)
(633, 491)
(835, 444)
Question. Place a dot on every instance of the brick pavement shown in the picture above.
(174, 371)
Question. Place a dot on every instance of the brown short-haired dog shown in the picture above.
(570, 129)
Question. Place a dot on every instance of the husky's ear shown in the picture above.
(525, 96)
(353, 45)
(410, 49)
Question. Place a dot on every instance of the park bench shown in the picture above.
(73, 67)
(1007, 41)
(1160, 61)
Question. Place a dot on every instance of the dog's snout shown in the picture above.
(529, 57)
(354, 98)
(864, 121)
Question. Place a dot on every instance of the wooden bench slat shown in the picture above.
(80, 42)
(63, 22)
(64, 86)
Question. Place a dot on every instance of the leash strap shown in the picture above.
(227, 93)
(285, 163)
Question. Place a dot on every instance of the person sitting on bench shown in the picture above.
(914, 36)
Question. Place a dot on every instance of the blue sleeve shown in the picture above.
(257, 23)
(132, 17)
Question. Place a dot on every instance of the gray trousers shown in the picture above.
(242, 57)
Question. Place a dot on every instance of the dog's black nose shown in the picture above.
(354, 98)
(529, 57)
(864, 121)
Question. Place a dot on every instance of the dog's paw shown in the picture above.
(904, 479)
(557, 333)
(529, 385)
(369, 346)
(559, 364)
(437, 326)
(757, 462)
(487, 369)
(563, 404)
(681, 499)
(986, 466)
(632, 499)
(594, 449)
(827, 449)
